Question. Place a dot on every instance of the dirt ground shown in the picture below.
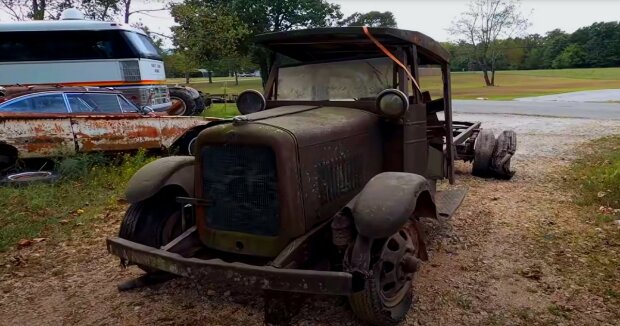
(487, 264)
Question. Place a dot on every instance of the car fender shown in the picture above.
(167, 171)
(180, 146)
(388, 201)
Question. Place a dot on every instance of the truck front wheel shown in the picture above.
(387, 294)
(153, 222)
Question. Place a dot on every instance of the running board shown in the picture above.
(448, 201)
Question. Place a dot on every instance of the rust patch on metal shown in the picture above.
(56, 134)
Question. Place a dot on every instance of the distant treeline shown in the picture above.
(597, 45)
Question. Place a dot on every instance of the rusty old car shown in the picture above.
(49, 121)
(319, 187)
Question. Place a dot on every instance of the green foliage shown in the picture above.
(597, 45)
(371, 18)
(572, 56)
(206, 33)
(90, 186)
(261, 16)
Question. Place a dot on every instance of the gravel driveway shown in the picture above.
(474, 275)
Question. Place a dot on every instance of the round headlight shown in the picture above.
(392, 103)
(251, 101)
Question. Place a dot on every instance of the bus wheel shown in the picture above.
(182, 102)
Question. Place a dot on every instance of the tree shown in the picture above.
(205, 34)
(371, 19)
(483, 25)
(572, 56)
(52, 9)
(261, 16)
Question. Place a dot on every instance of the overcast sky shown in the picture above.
(433, 17)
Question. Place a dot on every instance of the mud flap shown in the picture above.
(448, 201)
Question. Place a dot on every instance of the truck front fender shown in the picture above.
(388, 201)
(167, 171)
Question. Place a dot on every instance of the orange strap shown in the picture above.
(391, 56)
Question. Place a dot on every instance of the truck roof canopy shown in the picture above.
(346, 43)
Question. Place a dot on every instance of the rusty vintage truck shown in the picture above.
(49, 121)
(321, 185)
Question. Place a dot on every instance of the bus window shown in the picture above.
(63, 45)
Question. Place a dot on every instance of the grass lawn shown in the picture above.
(91, 185)
(585, 243)
(470, 85)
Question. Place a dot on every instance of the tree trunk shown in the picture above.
(486, 76)
(187, 77)
(127, 13)
(236, 79)
(493, 76)
(210, 73)
(38, 9)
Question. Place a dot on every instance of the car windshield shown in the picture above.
(335, 81)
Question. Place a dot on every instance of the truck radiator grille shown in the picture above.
(241, 184)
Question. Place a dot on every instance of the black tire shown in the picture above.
(153, 222)
(199, 105)
(483, 152)
(505, 148)
(371, 304)
(185, 100)
(29, 177)
(367, 305)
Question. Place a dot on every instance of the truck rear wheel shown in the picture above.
(483, 151)
(387, 294)
(182, 102)
(153, 222)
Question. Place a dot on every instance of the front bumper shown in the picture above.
(218, 271)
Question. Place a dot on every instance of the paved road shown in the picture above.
(600, 95)
(599, 111)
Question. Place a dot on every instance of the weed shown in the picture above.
(463, 301)
(559, 311)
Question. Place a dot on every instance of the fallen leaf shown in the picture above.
(24, 243)
(80, 211)
(37, 240)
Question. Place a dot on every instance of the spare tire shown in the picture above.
(182, 102)
(505, 148)
(483, 152)
(29, 177)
